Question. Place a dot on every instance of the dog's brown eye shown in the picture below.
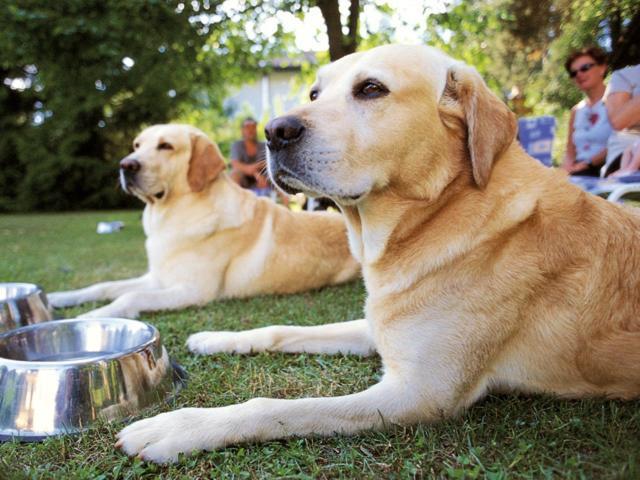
(165, 146)
(136, 145)
(370, 89)
(313, 94)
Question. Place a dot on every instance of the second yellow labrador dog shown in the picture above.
(207, 238)
(485, 270)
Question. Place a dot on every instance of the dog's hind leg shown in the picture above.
(131, 304)
(351, 337)
(100, 291)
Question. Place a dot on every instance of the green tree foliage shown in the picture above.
(468, 32)
(520, 45)
(80, 78)
(611, 24)
(342, 26)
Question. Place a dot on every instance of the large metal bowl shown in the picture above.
(59, 377)
(22, 304)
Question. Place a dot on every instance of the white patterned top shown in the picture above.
(591, 130)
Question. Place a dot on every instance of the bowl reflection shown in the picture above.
(22, 304)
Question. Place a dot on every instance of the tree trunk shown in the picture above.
(625, 40)
(340, 44)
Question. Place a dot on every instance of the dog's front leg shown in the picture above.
(162, 438)
(429, 375)
(351, 337)
(99, 291)
(131, 304)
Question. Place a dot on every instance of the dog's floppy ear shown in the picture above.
(206, 162)
(491, 126)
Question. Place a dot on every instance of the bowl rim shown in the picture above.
(37, 290)
(33, 364)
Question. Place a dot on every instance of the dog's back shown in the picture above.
(305, 250)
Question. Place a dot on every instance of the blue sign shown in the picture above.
(536, 135)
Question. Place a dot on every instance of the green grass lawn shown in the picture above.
(501, 437)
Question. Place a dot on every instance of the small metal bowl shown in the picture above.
(22, 304)
(59, 377)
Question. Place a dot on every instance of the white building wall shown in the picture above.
(268, 97)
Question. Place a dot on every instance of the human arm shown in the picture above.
(578, 167)
(634, 161)
(598, 159)
(248, 169)
(251, 169)
(261, 180)
(630, 162)
(261, 174)
(623, 110)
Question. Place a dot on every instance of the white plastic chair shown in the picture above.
(613, 189)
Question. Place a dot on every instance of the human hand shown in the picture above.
(259, 167)
(578, 167)
(261, 181)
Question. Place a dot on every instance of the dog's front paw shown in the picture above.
(162, 438)
(207, 343)
(246, 341)
(62, 299)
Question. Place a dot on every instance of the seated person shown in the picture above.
(630, 161)
(623, 107)
(589, 127)
(248, 162)
(248, 158)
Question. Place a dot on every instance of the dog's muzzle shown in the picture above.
(129, 167)
(283, 134)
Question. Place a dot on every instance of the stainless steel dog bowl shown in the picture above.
(59, 377)
(22, 304)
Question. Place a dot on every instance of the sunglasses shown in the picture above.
(584, 68)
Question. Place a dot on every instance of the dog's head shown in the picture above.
(169, 160)
(403, 117)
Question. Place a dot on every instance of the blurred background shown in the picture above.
(80, 78)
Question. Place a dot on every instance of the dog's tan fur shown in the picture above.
(209, 239)
(485, 271)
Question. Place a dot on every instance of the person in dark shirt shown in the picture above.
(248, 163)
(248, 158)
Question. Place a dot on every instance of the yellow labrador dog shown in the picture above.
(207, 238)
(485, 270)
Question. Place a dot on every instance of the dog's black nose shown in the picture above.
(129, 165)
(283, 131)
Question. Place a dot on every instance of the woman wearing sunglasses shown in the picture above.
(589, 126)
